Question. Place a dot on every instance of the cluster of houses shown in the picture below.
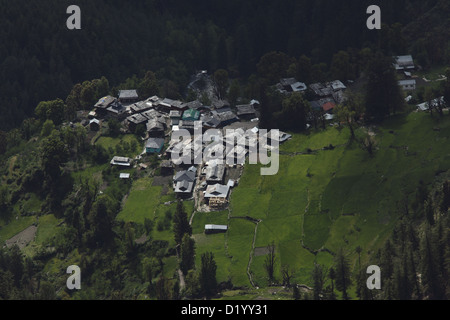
(159, 118)
(326, 95)
(404, 66)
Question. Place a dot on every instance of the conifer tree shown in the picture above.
(208, 282)
(342, 267)
(180, 223)
(187, 254)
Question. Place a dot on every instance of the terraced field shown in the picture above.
(325, 200)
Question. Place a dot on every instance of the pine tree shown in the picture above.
(342, 267)
(180, 223)
(318, 276)
(187, 254)
(429, 212)
(332, 277)
(162, 288)
(445, 204)
(296, 293)
(269, 262)
(431, 278)
(383, 95)
(208, 282)
(362, 292)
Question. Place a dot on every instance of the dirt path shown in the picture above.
(249, 274)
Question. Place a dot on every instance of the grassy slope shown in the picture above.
(328, 199)
(332, 199)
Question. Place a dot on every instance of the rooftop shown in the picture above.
(217, 191)
(128, 94)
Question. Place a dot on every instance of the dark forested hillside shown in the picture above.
(41, 59)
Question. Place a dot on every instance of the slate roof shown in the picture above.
(217, 191)
(184, 175)
(245, 109)
(137, 118)
(121, 161)
(404, 62)
(104, 102)
(215, 172)
(154, 143)
(128, 94)
(155, 125)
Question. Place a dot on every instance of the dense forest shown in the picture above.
(41, 59)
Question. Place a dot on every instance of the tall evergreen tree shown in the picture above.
(294, 112)
(431, 277)
(180, 223)
(187, 254)
(383, 94)
(343, 273)
(318, 276)
(445, 203)
(269, 262)
(208, 281)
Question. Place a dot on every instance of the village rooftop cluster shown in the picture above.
(162, 117)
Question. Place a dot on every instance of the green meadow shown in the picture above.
(320, 202)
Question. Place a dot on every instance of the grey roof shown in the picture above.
(222, 110)
(216, 227)
(121, 161)
(184, 187)
(407, 82)
(322, 90)
(116, 107)
(287, 82)
(128, 94)
(141, 106)
(155, 124)
(154, 143)
(212, 122)
(166, 164)
(337, 85)
(298, 87)
(339, 96)
(220, 104)
(215, 172)
(426, 105)
(186, 124)
(224, 116)
(217, 191)
(193, 105)
(404, 62)
(154, 99)
(184, 175)
(245, 109)
(281, 138)
(104, 102)
(137, 118)
(152, 114)
(178, 104)
(175, 114)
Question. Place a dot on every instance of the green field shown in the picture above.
(317, 203)
(110, 142)
(327, 200)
